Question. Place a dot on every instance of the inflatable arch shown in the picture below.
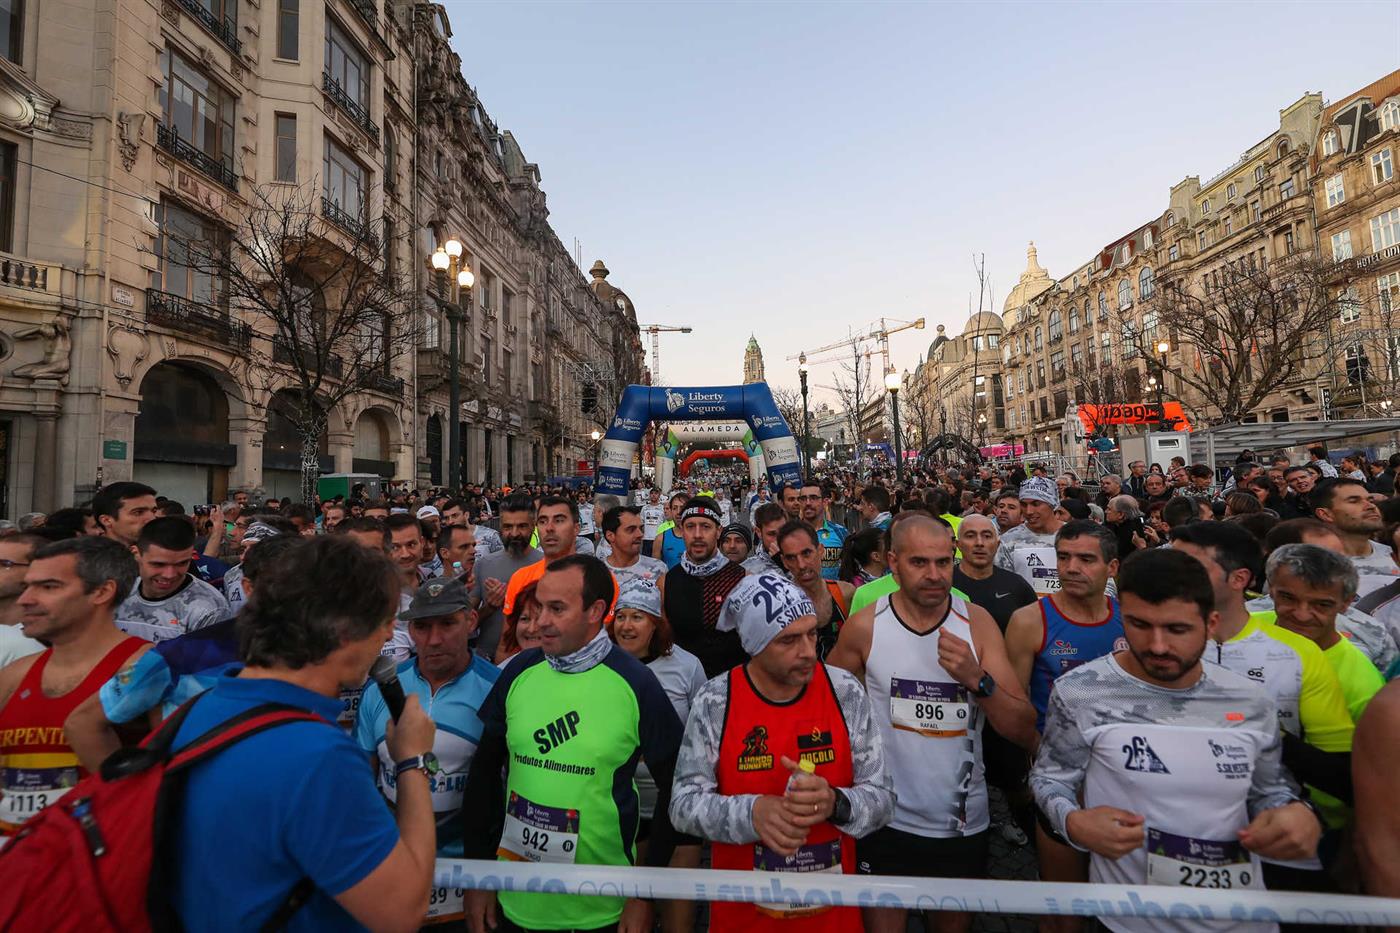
(681, 433)
(699, 455)
(641, 405)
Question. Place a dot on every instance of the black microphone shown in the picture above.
(386, 673)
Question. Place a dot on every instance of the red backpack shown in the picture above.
(98, 859)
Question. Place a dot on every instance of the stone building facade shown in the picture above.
(134, 134)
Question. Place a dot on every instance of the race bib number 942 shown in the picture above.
(534, 833)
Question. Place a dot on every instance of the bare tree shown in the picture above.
(1242, 332)
(919, 412)
(852, 387)
(313, 302)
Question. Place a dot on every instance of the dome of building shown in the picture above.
(983, 323)
(1033, 281)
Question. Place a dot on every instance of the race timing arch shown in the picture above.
(699, 455)
(641, 405)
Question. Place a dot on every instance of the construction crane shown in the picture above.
(655, 330)
(878, 332)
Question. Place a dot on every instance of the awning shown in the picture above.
(1227, 441)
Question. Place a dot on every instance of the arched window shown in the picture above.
(1390, 115)
(1039, 338)
(1103, 307)
(1171, 219)
(1145, 283)
(1125, 294)
(1073, 319)
(1283, 148)
(1330, 143)
(1057, 327)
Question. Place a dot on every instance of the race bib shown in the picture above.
(445, 905)
(936, 710)
(29, 790)
(351, 699)
(1198, 863)
(534, 833)
(824, 857)
(1039, 567)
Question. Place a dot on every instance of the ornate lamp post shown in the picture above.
(453, 279)
(806, 458)
(892, 385)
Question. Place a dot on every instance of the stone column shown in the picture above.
(46, 462)
(246, 434)
(341, 445)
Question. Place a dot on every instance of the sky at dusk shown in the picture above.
(798, 170)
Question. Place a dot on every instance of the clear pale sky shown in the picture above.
(796, 170)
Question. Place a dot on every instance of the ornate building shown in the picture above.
(753, 362)
(136, 137)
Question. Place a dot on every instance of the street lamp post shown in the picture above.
(982, 430)
(892, 384)
(454, 278)
(943, 435)
(806, 458)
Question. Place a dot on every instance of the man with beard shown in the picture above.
(812, 501)
(935, 667)
(1130, 767)
(1057, 634)
(451, 682)
(1029, 549)
(782, 768)
(801, 554)
(693, 591)
(1345, 505)
(494, 571)
(736, 541)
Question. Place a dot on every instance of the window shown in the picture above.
(992, 341)
(195, 109)
(1021, 383)
(1145, 283)
(1288, 242)
(1106, 348)
(1392, 358)
(285, 150)
(1230, 192)
(12, 29)
(1147, 239)
(1125, 295)
(9, 160)
(1076, 356)
(1286, 189)
(1173, 253)
(391, 158)
(1382, 170)
(346, 65)
(1336, 192)
(288, 29)
(1388, 291)
(344, 181)
(1341, 246)
(1227, 225)
(507, 361)
(1390, 115)
(1039, 338)
(432, 335)
(1103, 307)
(487, 353)
(1057, 327)
(1202, 240)
(1254, 212)
(1057, 364)
(1205, 206)
(1171, 219)
(1357, 364)
(1385, 229)
(977, 344)
(1258, 173)
(1040, 373)
(1073, 319)
(187, 247)
(1330, 143)
(1349, 306)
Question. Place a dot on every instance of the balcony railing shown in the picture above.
(168, 138)
(225, 30)
(282, 353)
(342, 99)
(347, 221)
(384, 382)
(21, 273)
(200, 320)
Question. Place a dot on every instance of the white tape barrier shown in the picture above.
(960, 894)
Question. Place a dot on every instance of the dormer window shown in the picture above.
(1330, 143)
(1390, 115)
(1230, 192)
(1259, 171)
(1147, 239)
(1205, 206)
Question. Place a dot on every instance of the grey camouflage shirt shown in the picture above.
(192, 607)
(698, 808)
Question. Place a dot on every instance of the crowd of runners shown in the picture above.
(1169, 680)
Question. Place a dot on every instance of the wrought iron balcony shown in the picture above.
(342, 99)
(168, 138)
(384, 382)
(199, 320)
(282, 353)
(225, 30)
(348, 222)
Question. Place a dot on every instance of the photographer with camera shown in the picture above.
(1124, 518)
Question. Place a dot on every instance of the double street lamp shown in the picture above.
(454, 280)
(892, 384)
(806, 457)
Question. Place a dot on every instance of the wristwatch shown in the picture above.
(985, 687)
(841, 810)
(426, 762)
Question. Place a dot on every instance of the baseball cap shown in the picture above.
(437, 597)
(429, 511)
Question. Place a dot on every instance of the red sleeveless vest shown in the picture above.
(37, 766)
(757, 734)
